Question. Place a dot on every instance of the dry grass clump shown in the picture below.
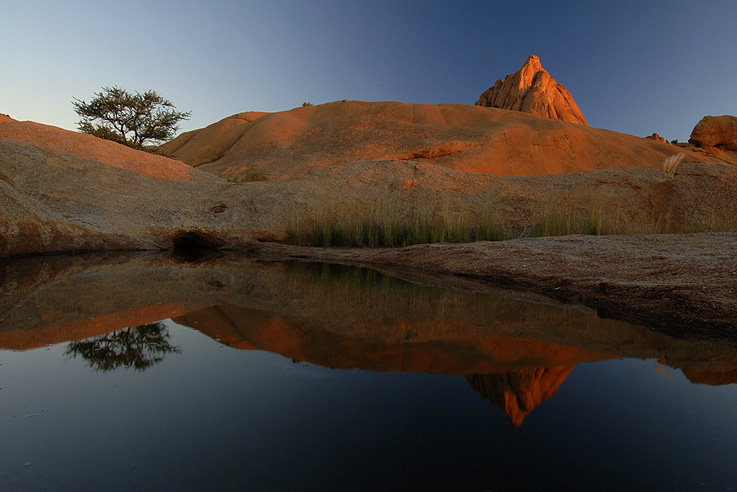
(390, 226)
(249, 175)
(424, 222)
(670, 164)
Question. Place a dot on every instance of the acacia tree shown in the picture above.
(129, 118)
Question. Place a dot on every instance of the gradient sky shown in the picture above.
(632, 66)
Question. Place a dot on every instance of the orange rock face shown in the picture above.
(94, 149)
(5, 117)
(202, 146)
(716, 131)
(657, 138)
(457, 136)
(532, 90)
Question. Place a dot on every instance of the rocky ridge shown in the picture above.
(532, 90)
(454, 136)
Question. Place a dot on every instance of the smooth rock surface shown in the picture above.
(455, 136)
(71, 192)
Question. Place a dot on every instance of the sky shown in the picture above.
(632, 66)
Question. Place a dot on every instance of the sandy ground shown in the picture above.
(682, 285)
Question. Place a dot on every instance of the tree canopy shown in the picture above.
(129, 118)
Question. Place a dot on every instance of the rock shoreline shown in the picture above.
(683, 285)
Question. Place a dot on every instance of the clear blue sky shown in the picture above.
(632, 66)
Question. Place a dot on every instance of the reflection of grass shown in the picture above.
(385, 304)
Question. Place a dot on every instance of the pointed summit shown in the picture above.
(532, 90)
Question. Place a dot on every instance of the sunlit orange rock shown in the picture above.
(532, 90)
(457, 136)
(5, 117)
(657, 138)
(66, 191)
(208, 144)
(94, 149)
(716, 131)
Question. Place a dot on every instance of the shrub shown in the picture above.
(250, 174)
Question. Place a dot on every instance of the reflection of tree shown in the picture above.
(139, 347)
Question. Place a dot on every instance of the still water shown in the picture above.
(143, 373)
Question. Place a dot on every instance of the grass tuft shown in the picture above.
(250, 175)
(425, 223)
(671, 164)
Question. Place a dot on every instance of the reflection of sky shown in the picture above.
(216, 418)
(635, 67)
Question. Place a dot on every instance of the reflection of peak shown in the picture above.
(712, 378)
(518, 393)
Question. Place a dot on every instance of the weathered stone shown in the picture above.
(716, 131)
(657, 138)
(458, 136)
(532, 90)
(64, 191)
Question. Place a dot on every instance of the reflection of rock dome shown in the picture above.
(281, 307)
(518, 393)
(712, 378)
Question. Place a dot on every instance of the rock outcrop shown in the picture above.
(716, 131)
(714, 138)
(5, 117)
(63, 191)
(657, 138)
(198, 147)
(456, 136)
(532, 90)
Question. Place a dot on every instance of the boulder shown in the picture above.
(716, 131)
(532, 90)
(657, 138)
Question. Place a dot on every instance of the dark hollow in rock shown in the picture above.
(191, 240)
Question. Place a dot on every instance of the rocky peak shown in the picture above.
(532, 90)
